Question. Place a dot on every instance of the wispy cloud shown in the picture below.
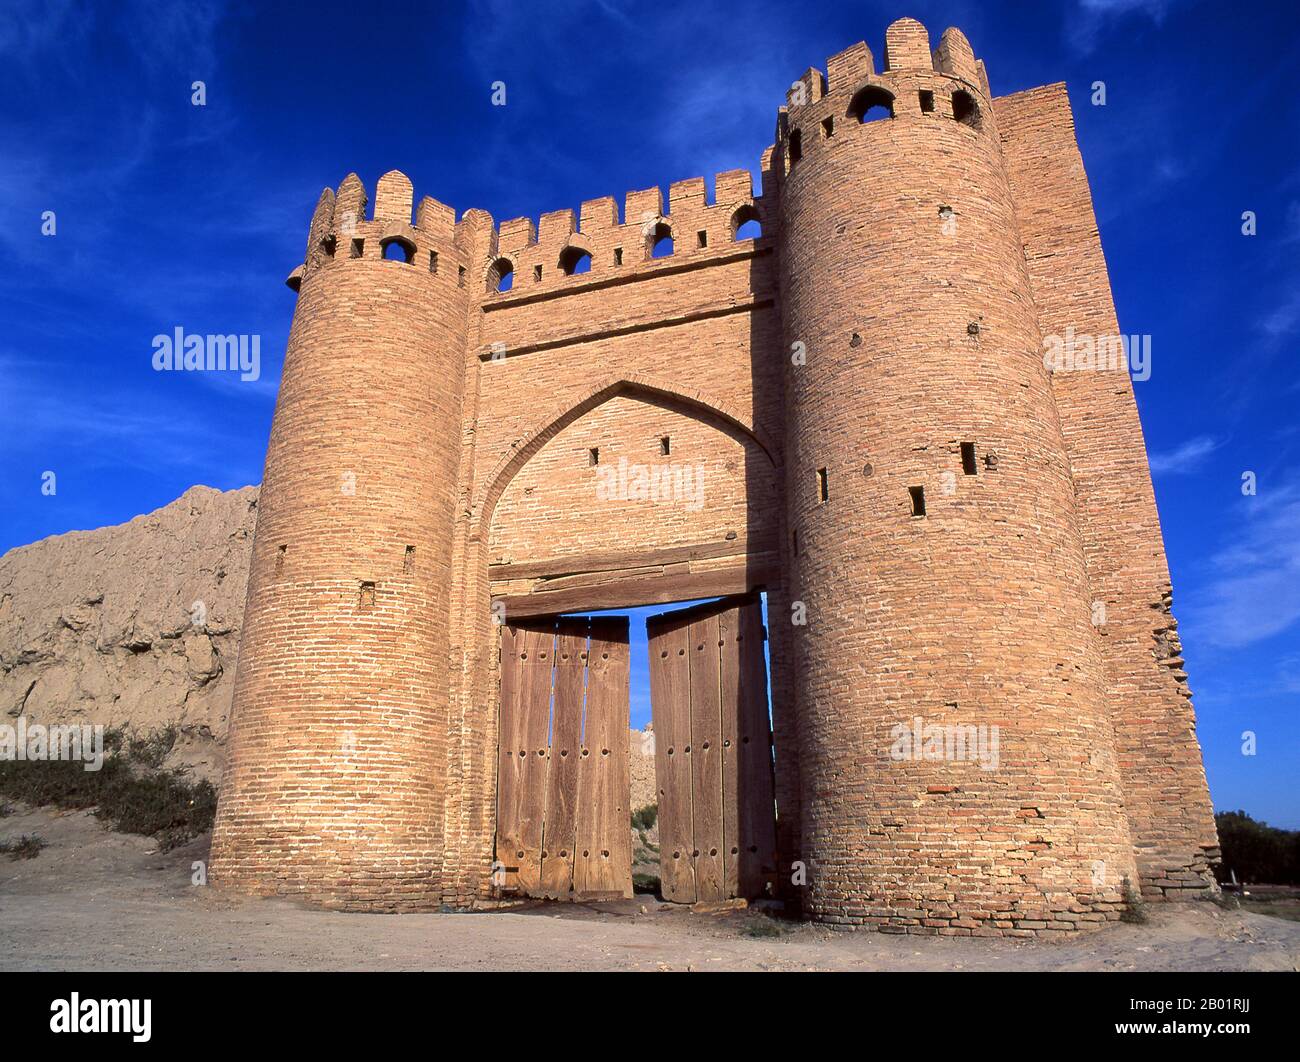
(1184, 458)
(34, 33)
(106, 425)
(1091, 19)
(1254, 591)
(706, 111)
(1155, 8)
(1283, 319)
(1291, 222)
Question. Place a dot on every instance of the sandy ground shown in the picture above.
(96, 900)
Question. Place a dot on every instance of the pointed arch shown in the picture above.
(523, 448)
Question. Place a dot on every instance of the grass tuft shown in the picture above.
(1135, 911)
(28, 846)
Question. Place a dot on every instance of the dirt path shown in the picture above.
(99, 900)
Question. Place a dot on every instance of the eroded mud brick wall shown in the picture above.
(494, 440)
(1163, 777)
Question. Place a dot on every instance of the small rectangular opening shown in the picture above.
(618, 256)
(358, 245)
(703, 238)
(968, 458)
(366, 599)
(460, 278)
(593, 456)
(823, 486)
(794, 541)
(433, 261)
(828, 128)
(537, 273)
(918, 500)
(665, 445)
(408, 561)
(279, 559)
(927, 101)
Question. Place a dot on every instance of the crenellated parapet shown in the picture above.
(915, 83)
(597, 244)
(427, 237)
(540, 255)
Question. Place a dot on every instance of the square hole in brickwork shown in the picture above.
(918, 500)
(460, 279)
(618, 256)
(408, 561)
(433, 261)
(366, 598)
(823, 486)
(968, 458)
(537, 273)
(703, 238)
(927, 102)
(279, 559)
(665, 445)
(358, 246)
(593, 455)
(828, 128)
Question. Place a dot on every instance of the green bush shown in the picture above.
(149, 750)
(1259, 853)
(162, 804)
(645, 883)
(644, 818)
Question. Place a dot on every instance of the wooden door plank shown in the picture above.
(624, 559)
(534, 709)
(510, 762)
(560, 825)
(730, 694)
(756, 802)
(521, 598)
(603, 864)
(705, 755)
(669, 639)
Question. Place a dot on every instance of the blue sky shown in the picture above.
(174, 215)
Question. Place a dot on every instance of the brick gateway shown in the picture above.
(946, 530)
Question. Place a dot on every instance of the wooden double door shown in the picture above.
(713, 751)
(563, 778)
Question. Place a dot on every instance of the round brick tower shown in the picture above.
(334, 784)
(934, 540)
